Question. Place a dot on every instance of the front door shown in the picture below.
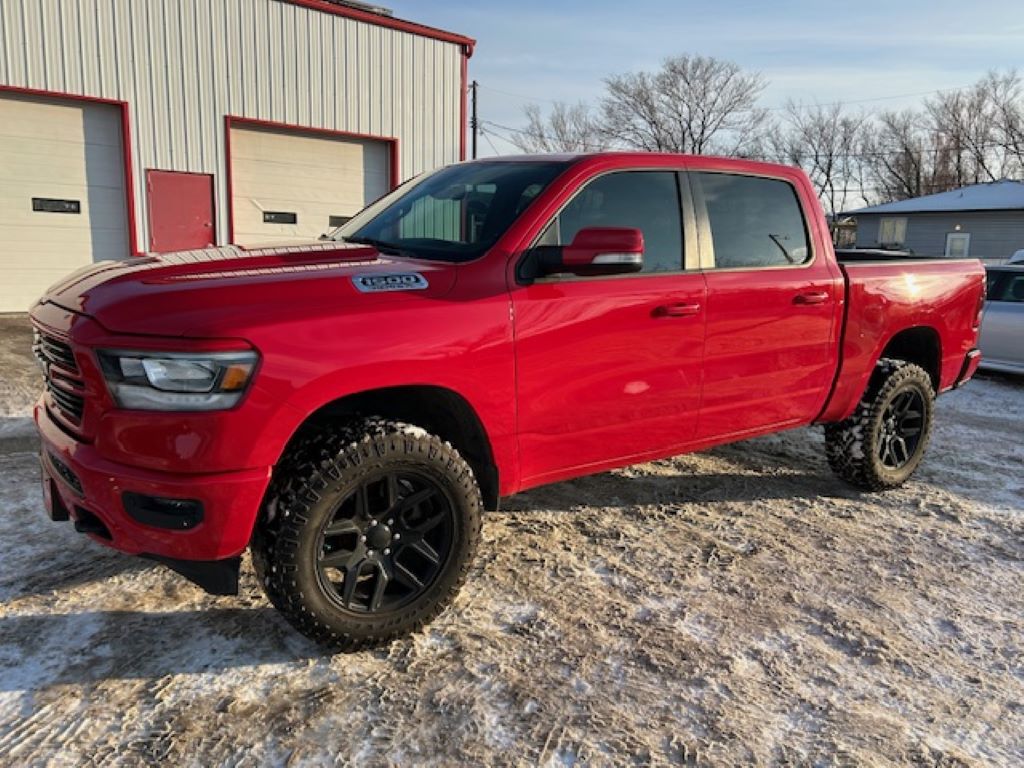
(772, 310)
(609, 368)
(180, 211)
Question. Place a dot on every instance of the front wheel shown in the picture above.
(369, 533)
(884, 441)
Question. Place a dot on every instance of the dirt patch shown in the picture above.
(729, 607)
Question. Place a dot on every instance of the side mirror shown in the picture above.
(595, 251)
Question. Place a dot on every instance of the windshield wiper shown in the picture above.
(389, 249)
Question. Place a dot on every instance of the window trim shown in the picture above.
(707, 244)
(690, 254)
(881, 223)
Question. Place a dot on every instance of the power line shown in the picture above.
(874, 98)
(513, 130)
(537, 99)
(862, 189)
(845, 102)
(896, 152)
(487, 138)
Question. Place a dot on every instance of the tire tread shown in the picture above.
(315, 461)
(848, 444)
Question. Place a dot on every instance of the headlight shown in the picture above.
(177, 381)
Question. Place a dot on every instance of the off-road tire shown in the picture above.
(318, 472)
(852, 446)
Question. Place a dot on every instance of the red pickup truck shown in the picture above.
(347, 409)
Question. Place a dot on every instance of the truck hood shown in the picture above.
(217, 291)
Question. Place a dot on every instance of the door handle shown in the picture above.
(677, 310)
(814, 297)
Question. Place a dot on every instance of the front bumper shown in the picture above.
(94, 492)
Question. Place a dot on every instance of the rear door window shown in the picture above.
(755, 222)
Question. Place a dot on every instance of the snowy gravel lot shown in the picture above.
(734, 606)
(20, 379)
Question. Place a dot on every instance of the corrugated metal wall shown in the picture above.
(994, 235)
(182, 65)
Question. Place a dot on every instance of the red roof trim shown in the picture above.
(390, 22)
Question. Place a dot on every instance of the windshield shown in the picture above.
(453, 214)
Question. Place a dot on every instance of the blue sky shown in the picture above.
(816, 51)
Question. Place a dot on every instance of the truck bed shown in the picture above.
(885, 291)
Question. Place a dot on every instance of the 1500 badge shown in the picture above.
(404, 281)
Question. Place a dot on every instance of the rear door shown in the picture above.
(609, 368)
(773, 305)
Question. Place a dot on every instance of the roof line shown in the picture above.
(941, 211)
(390, 22)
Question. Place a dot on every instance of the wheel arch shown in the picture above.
(920, 345)
(437, 409)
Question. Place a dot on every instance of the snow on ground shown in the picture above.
(735, 606)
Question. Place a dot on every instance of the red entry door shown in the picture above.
(180, 210)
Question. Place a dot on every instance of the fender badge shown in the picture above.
(404, 281)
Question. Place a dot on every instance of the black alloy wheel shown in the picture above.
(367, 532)
(386, 542)
(900, 429)
(884, 440)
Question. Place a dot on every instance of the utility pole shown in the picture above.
(474, 124)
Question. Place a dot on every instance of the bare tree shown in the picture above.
(961, 137)
(694, 104)
(825, 141)
(1005, 93)
(567, 128)
(964, 124)
(897, 154)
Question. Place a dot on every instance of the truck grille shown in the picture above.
(50, 350)
(64, 387)
(71, 404)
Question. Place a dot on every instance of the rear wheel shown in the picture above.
(368, 533)
(884, 441)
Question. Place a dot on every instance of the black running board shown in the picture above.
(217, 577)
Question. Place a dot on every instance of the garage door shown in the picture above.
(289, 186)
(62, 197)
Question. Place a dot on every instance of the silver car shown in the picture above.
(1002, 328)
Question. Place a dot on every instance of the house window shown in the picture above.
(958, 245)
(892, 232)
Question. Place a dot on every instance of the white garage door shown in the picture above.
(287, 186)
(62, 197)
